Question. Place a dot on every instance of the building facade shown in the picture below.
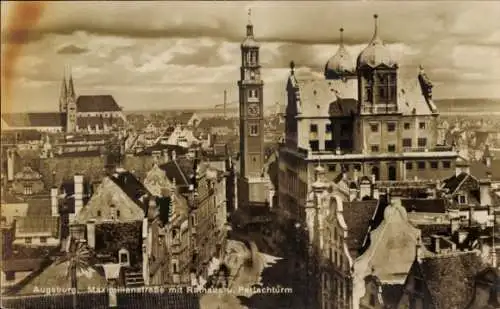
(362, 119)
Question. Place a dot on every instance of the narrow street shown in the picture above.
(265, 271)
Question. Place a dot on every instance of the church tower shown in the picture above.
(63, 98)
(71, 107)
(377, 78)
(252, 181)
(251, 107)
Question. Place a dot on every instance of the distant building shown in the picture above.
(87, 113)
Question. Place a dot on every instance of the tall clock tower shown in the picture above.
(251, 107)
(251, 179)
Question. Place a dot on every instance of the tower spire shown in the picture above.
(249, 24)
(71, 87)
(64, 94)
(341, 37)
(376, 37)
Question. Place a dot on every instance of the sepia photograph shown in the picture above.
(250, 155)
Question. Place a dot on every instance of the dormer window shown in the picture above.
(124, 257)
(462, 199)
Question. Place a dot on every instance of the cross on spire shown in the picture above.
(249, 16)
(341, 36)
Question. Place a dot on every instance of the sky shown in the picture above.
(166, 55)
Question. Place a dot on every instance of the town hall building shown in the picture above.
(362, 119)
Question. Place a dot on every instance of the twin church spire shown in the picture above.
(68, 94)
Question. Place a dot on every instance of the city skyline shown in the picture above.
(167, 55)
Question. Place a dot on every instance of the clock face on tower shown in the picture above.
(253, 110)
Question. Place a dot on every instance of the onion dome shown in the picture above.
(341, 62)
(249, 41)
(376, 53)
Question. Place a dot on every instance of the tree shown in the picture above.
(79, 259)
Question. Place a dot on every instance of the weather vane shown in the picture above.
(249, 16)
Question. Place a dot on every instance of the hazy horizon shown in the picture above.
(166, 55)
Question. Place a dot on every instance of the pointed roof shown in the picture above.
(395, 240)
(249, 41)
(71, 87)
(64, 88)
(341, 62)
(450, 278)
(376, 53)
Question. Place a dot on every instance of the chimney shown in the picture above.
(165, 155)
(419, 252)
(374, 179)
(91, 233)
(78, 179)
(365, 189)
(145, 228)
(435, 244)
(10, 164)
(462, 236)
(376, 194)
(156, 156)
(485, 192)
(455, 224)
(54, 191)
(471, 215)
(355, 175)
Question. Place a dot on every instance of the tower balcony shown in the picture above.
(427, 149)
(380, 109)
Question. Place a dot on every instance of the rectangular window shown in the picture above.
(27, 240)
(314, 145)
(382, 93)
(434, 165)
(345, 167)
(372, 300)
(406, 142)
(446, 164)
(374, 127)
(391, 127)
(357, 167)
(421, 125)
(43, 240)
(407, 126)
(374, 148)
(462, 199)
(422, 142)
(332, 167)
(328, 128)
(330, 145)
(313, 128)
(28, 189)
(409, 165)
(10, 276)
(254, 130)
(421, 165)
(391, 148)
